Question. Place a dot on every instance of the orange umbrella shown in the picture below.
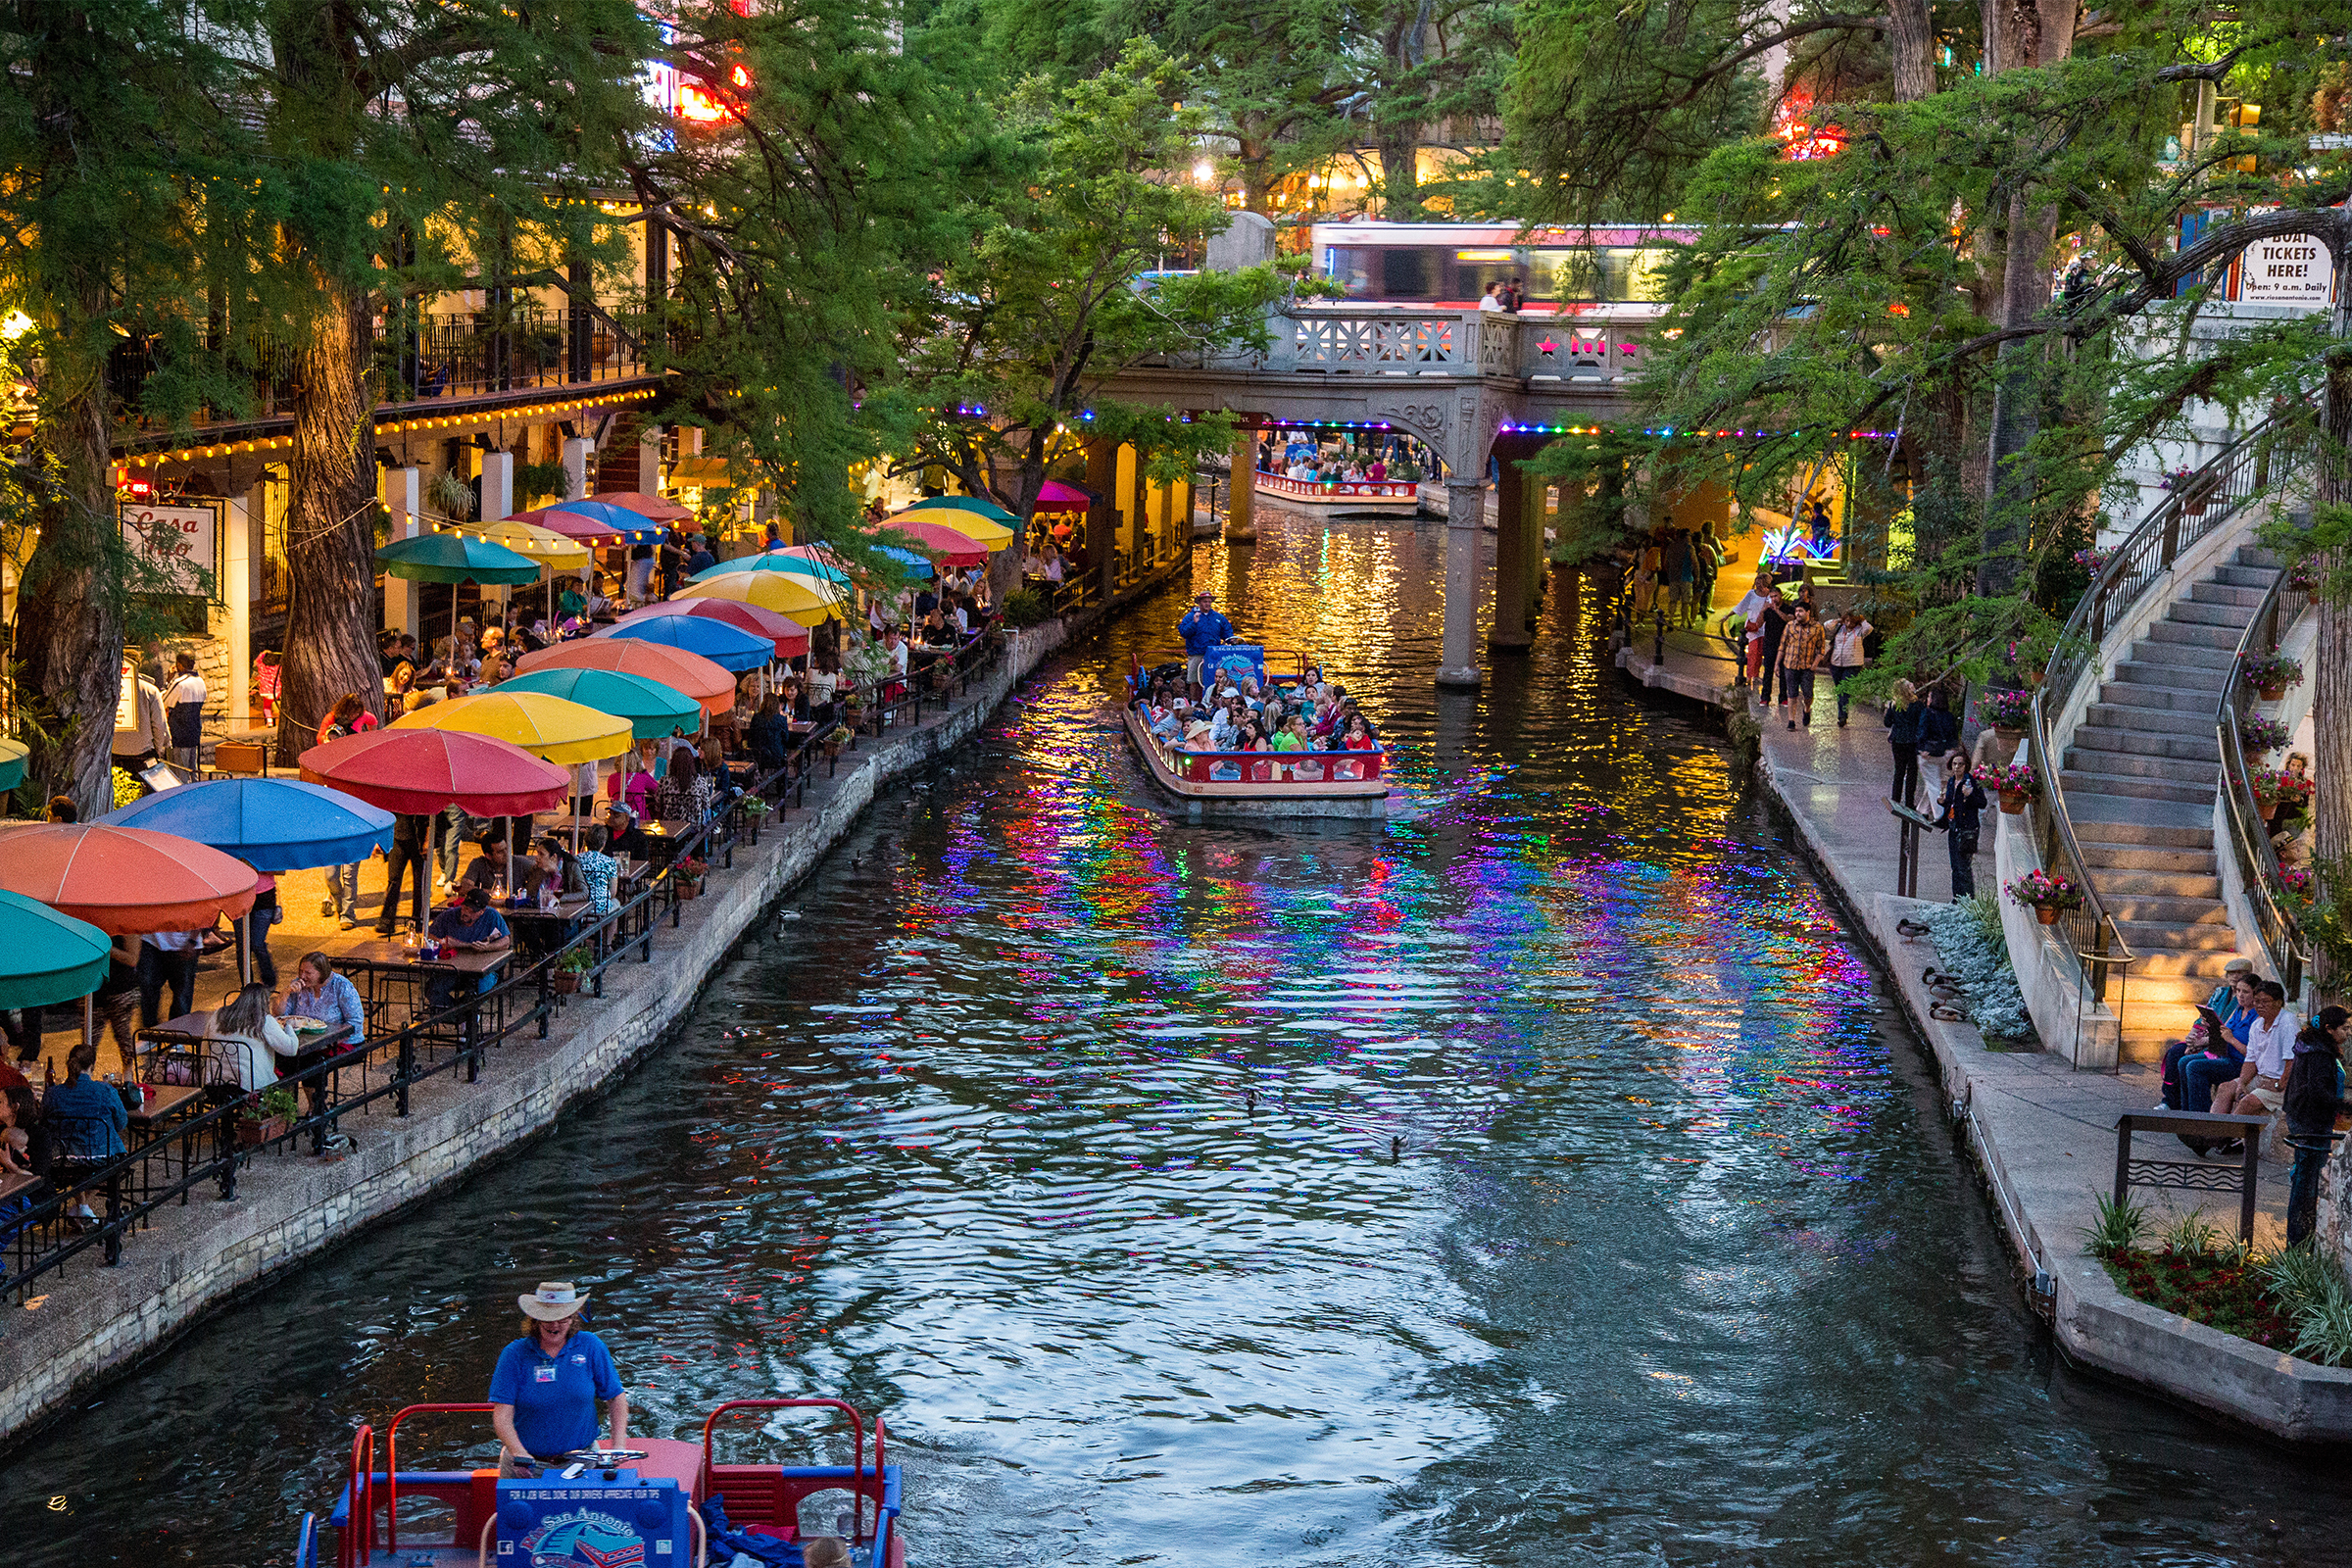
(698, 677)
(645, 505)
(125, 880)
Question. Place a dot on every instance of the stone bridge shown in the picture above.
(1473, 386)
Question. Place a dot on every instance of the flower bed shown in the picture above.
(2297, 1301)
(2212, 1289)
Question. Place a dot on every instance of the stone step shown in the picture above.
(2258, 578)
(2110, 819)
(2202, 701)
(2256, 556)
(2197, 612)
(2183, 990)
(2219, 643)
(2136, 786)
(2151, 668)
(2165, 720)
(2150, 1027)
(2210, 936)
(2201, 964)
(2143, 857)
(2204, 748)
(2117, 885)
(2149, 909)
(2215, 592)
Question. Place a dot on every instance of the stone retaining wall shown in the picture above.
(93, 1322)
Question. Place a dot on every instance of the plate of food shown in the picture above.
(309, 1026)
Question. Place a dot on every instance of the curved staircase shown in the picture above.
(2139, 775)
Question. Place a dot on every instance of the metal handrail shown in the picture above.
(2275, 923)
(2196, 506)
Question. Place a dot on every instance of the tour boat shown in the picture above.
(1246, 784)
(1342, 495)
(656, 1503)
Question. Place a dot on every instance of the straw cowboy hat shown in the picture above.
(553, 1301)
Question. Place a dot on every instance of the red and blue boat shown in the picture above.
(1255, 784)
(658, 1503)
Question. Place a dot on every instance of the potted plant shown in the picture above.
(2194, 491)
(2047, 896)
(2016, 784)
(2296, 880)
(266, 1116)
(2303, 577)
(2271, 786)
(2006, 711)
(2091, 560)
(569, 972)
(688, 874)
(2261, 733)
(835, 739)
(2270, 673)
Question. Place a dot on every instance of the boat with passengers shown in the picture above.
(1206, 782)
(657, 1504)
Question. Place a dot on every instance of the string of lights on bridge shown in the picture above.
(1669, 432)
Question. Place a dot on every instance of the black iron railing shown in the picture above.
(2257, 861)
(2197, 503)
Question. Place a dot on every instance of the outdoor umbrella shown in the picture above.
(454, 558)
(547, 727)
(416, 772)
(46, 956)
(803, 598)
(972, 504)
(650, 708)
(555, 551)
(12, 762)
(938, 539)
(637, 501)
(790, 636)
(602, 519)
(271, 825)
(729, 647)
(123, 880)
(971, 524)
(786, 561)
(1055, 496)
(579, 527)
(691, 674)
(912, 565)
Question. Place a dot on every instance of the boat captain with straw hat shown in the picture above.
(544, 1393)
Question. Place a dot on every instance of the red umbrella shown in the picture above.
(572, 525)
(418, 771)
(789, 635)
(125, 880)
(645, 505)
(938, 541)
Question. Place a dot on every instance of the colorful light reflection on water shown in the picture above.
(1530, 1179)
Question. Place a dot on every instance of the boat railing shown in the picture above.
(214, 1147)
(1339, 489)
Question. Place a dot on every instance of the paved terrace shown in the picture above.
(2043, 1129)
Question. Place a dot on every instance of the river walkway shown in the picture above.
(2042, 1130)
(91, 1322)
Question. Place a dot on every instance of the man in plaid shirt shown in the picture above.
(1801, 650)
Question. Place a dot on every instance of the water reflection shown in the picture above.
(1532, 1178)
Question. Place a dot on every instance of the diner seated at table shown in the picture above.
(624, 832)
(496, 873)
(319, 993)
(600, 873)
(30, 1155)
(248, 1043)
(470, 927)
(87, 1118)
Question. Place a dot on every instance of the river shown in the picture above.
(1542, 1177)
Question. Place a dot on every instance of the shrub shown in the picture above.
(2115, 1231)
(1027, 607)
(1969, 939)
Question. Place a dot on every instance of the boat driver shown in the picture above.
(544, 1393)
(1203, 628)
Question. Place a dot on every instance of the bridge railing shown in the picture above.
(1411, 340)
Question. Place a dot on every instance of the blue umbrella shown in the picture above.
(915, 565)
(729, 648)
(634, 526)
(273, 824)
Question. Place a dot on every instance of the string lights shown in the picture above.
(1669, 432)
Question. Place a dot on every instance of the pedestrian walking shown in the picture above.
(1961, 817)
(183, 707)
(1750, 611)
(1904, 710)
(1803, 646)
(1847, 655)
(1778, 613)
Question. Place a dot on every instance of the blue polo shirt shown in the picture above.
(555, 1400)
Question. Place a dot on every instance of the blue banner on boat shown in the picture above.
(1245, 659)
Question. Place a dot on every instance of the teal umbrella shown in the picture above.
(652, 708)
(777, 560)
(973, 504)
(12, 762)
(46, 956)
(456, 558)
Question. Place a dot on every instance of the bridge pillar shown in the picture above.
(1241, 510)
(1514, 565)
(1465, 522)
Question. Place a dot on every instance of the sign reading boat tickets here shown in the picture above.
(180, 544)
(2288, 270)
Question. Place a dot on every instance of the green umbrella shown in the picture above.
(46, 956)
(456, 558)
(12, 762)
(985, 509)
(652, 708)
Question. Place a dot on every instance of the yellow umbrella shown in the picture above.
(971, 524)
(544, 545)
(560, 731)
(804, 599)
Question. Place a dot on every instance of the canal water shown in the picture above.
(1542, 1177)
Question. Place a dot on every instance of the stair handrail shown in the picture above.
(2221, 488)
(2258, 870)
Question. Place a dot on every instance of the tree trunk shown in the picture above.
(330, 533)
(1399, 175)
(69, 633)
(1912, 42)
(2331, 653)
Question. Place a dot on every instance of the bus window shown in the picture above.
(1408, 274)
(1568, 276)
(1631, 273)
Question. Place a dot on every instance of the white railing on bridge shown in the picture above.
(1410, 340)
